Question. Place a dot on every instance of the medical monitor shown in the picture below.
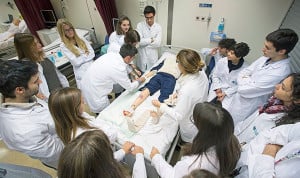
(48, 16)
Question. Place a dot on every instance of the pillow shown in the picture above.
(22, 26)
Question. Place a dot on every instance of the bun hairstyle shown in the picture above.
(190, 60)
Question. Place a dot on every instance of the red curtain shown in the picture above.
(30, 11)
(108, 11)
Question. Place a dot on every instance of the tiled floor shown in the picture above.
(14, 157)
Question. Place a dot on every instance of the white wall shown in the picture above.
(245, 20)
(131, 9)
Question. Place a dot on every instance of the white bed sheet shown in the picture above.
(160, 135)
(6, 43)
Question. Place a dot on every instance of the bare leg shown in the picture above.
(139, 100)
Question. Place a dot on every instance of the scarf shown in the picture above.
(232, 67)
(273, 106)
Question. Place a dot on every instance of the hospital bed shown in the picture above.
(163, 135)
(7, 49)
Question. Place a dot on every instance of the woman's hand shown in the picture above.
(137, 149)
(127, 146)
(154, 151)
(41, 96)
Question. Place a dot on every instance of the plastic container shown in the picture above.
(59, 54)
(52, 57)
(221, 26)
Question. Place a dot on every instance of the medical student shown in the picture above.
(131, 37)
(214, 148)
(91, 155)
(217, 53)
(191, 88)
(256, 82)
(225, 73)
(116, 39)
(66, 107)
(150, 33)
(108, 70)
(28, 46)
(282, 107)
(273, 153)
(26, 124)
(78, 50)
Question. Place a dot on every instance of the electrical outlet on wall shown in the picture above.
(203, 18)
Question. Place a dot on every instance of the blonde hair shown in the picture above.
(64, 105)
(190, 60)
(81, 44)
(26, 47)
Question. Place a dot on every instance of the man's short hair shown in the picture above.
(283, 39)
(149, 9)
(226, 43)
(128, 50)
(16, 73)
(240, 49)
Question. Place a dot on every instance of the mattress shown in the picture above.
(159, 135)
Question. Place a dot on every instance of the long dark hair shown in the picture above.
(293, 115)
(215, 129)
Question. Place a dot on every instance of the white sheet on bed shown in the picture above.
(160, 135)
(8, 42)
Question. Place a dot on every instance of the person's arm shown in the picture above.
(263, 165)
(139, 168)
(145, 40)
(83, 58)
(62, 78)
(217, 75)
(113, 38)
(121, 77)
(156, 40)
(107, 128)
(163, 168)
(251, 85)
(126, 148)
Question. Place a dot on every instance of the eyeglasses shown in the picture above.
(148, 18)
(68, 30)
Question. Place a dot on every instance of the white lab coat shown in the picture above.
(139, 168)
(29, 128)
(115, 42)
(255, 84)
(258, 165)
(98, 81)
(249, 128)
(191, 89)
(81, 63)
(186, 165)
(225, 80)
(43, 87)
(106, 127)
(148, 52)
